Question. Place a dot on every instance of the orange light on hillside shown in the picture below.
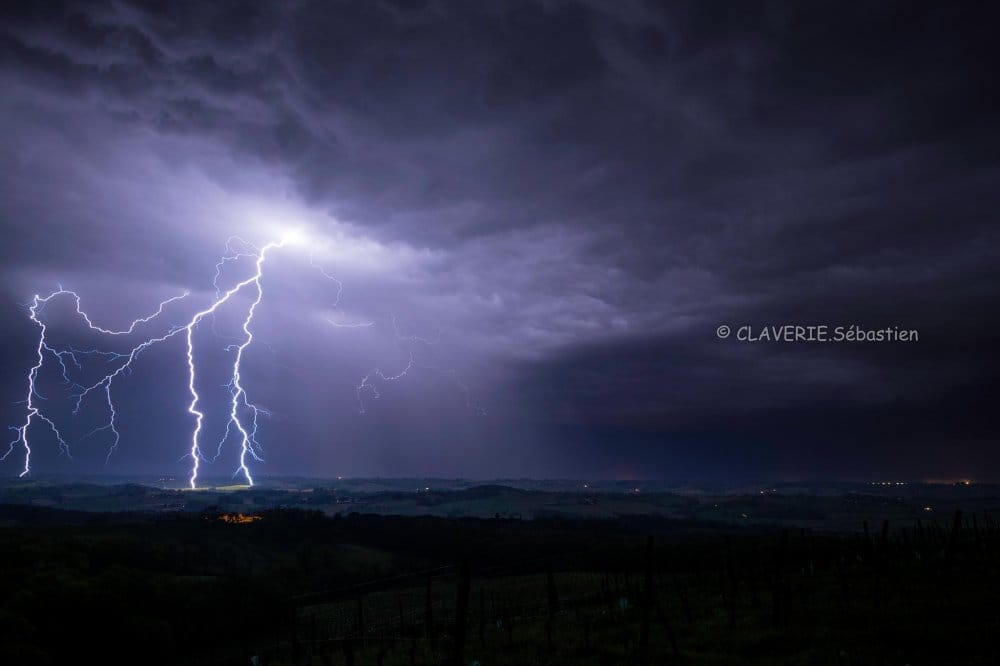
(239, 518)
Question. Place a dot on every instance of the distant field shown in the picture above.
(831, 507)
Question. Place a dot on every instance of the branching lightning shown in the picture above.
(236, 387)
(243, 415)
(336, 300)
(367, 384)
(408, 342)
(248, 441)
(36, 308)
(235, 249)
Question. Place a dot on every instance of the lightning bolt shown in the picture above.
(367, 384)
(35, 311)
(408, 342)
(248, 437)
(360, 324)
(243, 416)
(235, 248)
(246, 445)
(328, 276)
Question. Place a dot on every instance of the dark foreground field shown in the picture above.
(300, 587)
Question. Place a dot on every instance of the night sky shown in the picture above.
(567, 198)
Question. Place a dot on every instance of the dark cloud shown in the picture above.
(575, 193)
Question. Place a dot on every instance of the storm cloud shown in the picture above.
(570, 196)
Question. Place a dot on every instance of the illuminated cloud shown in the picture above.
(572, 195)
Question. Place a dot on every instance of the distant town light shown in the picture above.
(238, 518)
